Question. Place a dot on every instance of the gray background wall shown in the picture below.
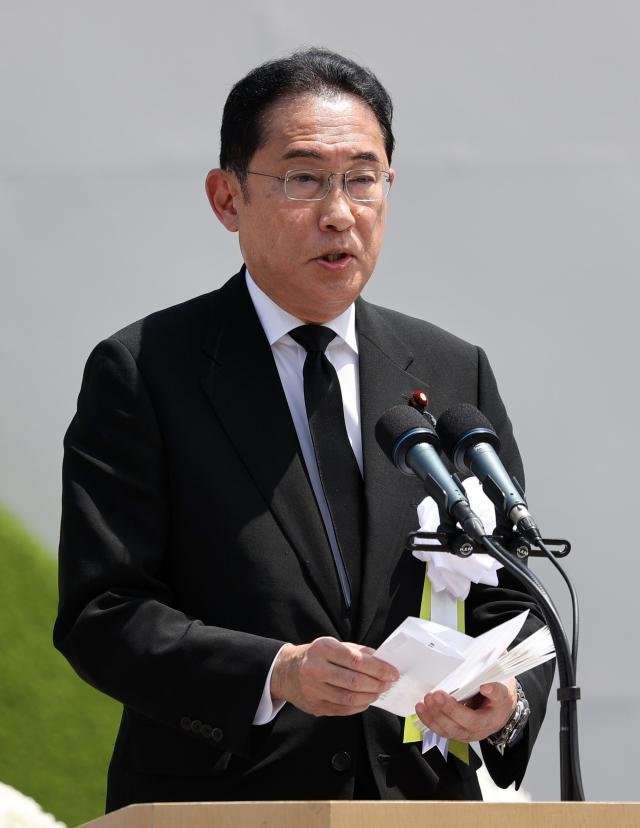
(514, 223)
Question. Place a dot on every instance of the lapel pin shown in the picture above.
(419, 400)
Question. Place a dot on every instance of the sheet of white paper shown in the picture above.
(421, 663)
(430, 656)
(483, 651)
(531, 652)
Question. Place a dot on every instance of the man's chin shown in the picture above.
(331, 301)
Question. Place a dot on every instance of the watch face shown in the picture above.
(514, 728)
(521, 717)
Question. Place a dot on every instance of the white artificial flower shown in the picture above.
(492, 793)
(20, 811)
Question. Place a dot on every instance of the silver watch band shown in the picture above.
(513, 730)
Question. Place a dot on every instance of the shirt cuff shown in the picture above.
(267, 709)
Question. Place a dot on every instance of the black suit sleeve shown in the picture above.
(118, 623)
(485, 608)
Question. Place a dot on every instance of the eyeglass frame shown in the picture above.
(284, 178)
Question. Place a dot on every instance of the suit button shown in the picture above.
(185, 723)
(196, 726)
(217, 735)
(206, 731)
(341, 761)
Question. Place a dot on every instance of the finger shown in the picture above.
(353, 681)
(322, 663)
(443, 705)
(436, 719)
(498, 692)
(470, 717)
(442, 725)
(355, 658)
(449, 718)
(457, 720)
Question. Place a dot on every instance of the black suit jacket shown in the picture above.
(192, 548)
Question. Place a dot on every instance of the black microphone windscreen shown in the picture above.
(394, 423)
(460, 420)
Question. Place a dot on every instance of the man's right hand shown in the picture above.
(329, 677)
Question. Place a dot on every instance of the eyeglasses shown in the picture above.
(314, 185)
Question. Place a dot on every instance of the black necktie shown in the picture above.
(339, 472)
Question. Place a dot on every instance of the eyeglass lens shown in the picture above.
(360, 185)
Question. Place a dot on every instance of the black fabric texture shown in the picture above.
(192, 548)
(339, 473)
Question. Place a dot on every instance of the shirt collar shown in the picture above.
(277, 322)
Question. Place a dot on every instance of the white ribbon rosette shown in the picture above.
(450, 572)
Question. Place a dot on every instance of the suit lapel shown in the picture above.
(244, 388)
(390, 496)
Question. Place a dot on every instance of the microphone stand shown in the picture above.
(568, 694)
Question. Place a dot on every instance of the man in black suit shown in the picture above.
(207, 580)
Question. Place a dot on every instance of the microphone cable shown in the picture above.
(575, 610)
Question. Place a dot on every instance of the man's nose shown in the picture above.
(337, 207)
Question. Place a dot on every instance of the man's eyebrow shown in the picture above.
(366, 156)
(318, 156)
(302, 153)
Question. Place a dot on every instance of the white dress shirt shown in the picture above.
(342, 353)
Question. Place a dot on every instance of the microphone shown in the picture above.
(469, 441)
(408, 440)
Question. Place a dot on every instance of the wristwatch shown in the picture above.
(513, 730)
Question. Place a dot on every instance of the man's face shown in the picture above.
(285, 243)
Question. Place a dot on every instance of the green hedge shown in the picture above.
(56, 733)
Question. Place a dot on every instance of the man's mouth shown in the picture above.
(334, 257)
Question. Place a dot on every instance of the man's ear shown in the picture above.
(223, 190)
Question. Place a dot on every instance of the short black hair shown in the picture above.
(314, 70)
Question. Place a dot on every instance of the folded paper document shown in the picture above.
(430, 657)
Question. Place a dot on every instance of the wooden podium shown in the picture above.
(401, 814)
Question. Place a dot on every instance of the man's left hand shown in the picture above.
(475, 719)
